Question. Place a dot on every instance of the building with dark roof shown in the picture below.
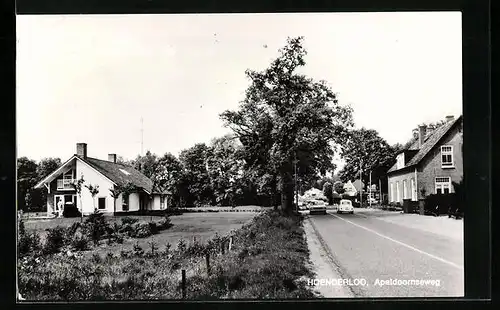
(429, 164)
(108, 176)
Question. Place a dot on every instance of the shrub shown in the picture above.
(164, 223)
(196, 249)
(80, 242)
(29, 244)
(437, 204)
(127, 229)
(181, 245)
(21, 227)
(173, 211)
(55, 239)
(138, 251)
(141, 230)
(97, 226)
(153, 228)
(71, 211)
(129, 220)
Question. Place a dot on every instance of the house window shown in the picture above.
(102, 203)
(397, 191)
(125, 203)
(405, 190)
(447, 156)
(400, 161)
(413, 190)
(162, 202)
(392, 192)
(443, 185)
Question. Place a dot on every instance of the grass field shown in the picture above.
(203, 226)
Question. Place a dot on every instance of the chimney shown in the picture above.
(112, 158)
(450, 118)
(81, 149)
(415, 133)
(422, 130)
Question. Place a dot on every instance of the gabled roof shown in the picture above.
(358, 185)
(430, 142)
(117, 173)
(120, 173)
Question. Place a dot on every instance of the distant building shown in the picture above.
(350, 189)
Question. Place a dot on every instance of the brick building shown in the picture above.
(430, 164)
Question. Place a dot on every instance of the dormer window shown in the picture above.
(400, 161)
(447, 156)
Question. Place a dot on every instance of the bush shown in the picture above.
(21, 227)
(71, 211)
(129, 220)
(97, 226)
(29, 244)
(55, 239)
(153, 228)
(174, 211)
(80, 242)
(165, 223)
(141, 230)
(437, 204)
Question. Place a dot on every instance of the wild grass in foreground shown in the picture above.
(267, 259)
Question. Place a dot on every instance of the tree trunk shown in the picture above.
(287, 191)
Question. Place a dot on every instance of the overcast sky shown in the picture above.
(90, 78)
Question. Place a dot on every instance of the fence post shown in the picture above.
(207, 259)
(183, 284)
(230, 243)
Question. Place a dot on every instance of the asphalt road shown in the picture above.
(362, 247)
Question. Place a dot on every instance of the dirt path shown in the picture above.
(322, 265)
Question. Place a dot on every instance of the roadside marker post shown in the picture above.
(207, 259)
(183, 284)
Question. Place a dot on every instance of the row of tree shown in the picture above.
(285, 133)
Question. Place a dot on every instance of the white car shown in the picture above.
(317, 206)
(345, 206)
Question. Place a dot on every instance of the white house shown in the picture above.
(107, 175)
(350, 189)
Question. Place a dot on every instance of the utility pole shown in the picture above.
(360, 183)
(142, 136)
(370, 189)
(296, 189)
(380, 190)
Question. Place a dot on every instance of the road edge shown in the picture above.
(320, 264)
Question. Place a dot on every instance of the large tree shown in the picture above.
(39, 196)
(170, 175)
(225, 169)
(366, 150)
(27, 178)
(287, 118)
(195, 181)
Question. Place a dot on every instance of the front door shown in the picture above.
(141, 203)
(58, 203)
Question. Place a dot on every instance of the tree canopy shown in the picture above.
(287, 118)
(364, 149)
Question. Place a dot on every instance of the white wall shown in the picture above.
(133, 202)
(93, 177)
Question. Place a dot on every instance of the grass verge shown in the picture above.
(268, 258)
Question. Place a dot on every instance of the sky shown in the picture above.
(93, 78)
